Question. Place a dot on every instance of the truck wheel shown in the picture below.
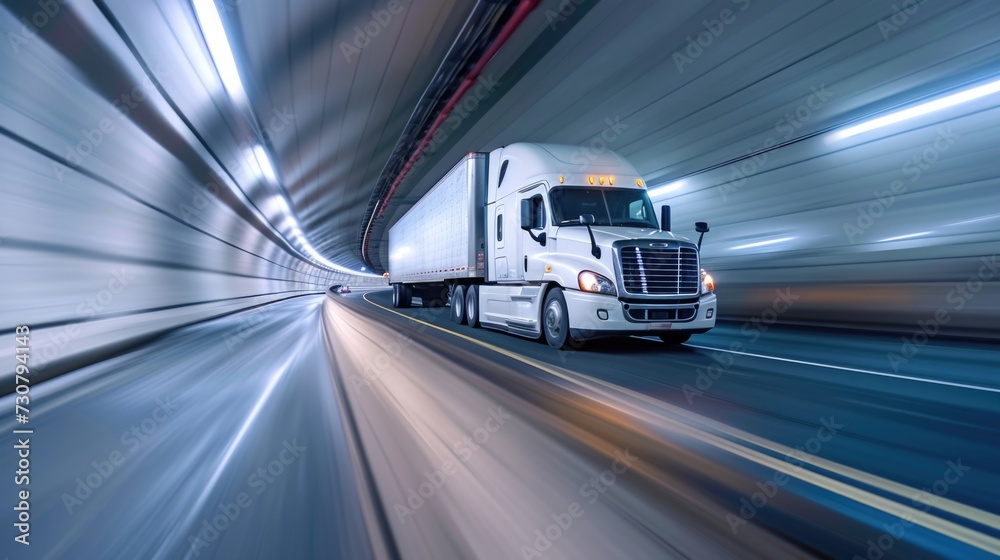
(472, 306)
(672, 339)
(396, 296)
(405, 295)
(458, 305)
(555, 320)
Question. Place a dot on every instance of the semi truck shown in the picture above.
(547, 240)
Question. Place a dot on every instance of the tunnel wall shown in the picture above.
(119, 223)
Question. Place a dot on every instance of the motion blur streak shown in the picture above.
(693, 467)
(197, 392)
(188, 399)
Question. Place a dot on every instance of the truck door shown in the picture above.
(499, 231)
(531, 254)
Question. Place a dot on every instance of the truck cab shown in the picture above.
(574, 252)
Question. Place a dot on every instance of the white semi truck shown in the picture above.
(541, 240)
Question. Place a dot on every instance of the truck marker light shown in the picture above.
(611, 181)
(548, 268)
(602, 181)
(562, 179)
(591, 179)
(639, 182)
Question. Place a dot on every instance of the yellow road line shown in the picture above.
(896, 509)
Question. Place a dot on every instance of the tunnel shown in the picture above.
(455, 279)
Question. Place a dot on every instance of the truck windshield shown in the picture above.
(610, 207)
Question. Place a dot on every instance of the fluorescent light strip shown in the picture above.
(762, 243)
(218, 46)
(656, 192)
(922, 109)
(907, 236)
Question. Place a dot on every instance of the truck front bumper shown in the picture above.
(600, 315)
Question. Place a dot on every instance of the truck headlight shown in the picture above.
(707, 282)
(594, 282)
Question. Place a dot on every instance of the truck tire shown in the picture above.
(402, 295)
(472, 306)
(458, 305)
(555, 320)
(674, 339)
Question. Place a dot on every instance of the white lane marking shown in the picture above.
(920, 517)
(856, 370)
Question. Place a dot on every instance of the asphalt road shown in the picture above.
(334, 427)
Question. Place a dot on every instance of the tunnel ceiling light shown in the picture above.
(225, 63)
(265, 164)
(656, 192)
(907, 236)
(762, 243)
(218, 46)
(922, 109)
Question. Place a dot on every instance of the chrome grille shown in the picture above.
(660, 271)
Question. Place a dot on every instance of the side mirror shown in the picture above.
(529, 219)
(702, 228)
(665, 217)
(587, 219)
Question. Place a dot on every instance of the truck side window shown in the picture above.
(537, 212)
(499, 227)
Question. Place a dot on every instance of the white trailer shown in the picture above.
(538, 240)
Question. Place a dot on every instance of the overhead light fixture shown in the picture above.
(762, 243)
(907, 236)
(218, 46)
(265, 164)
(661, 190)
(922, 109)
(225, 64)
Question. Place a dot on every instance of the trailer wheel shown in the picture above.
(458, 305)
(472, 306)
(555, 320)
(674, 339)
(402, 295)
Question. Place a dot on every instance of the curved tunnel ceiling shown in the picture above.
(333, 85)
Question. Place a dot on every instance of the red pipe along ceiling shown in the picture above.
(520, 14)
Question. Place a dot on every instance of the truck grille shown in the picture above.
(660, 271)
